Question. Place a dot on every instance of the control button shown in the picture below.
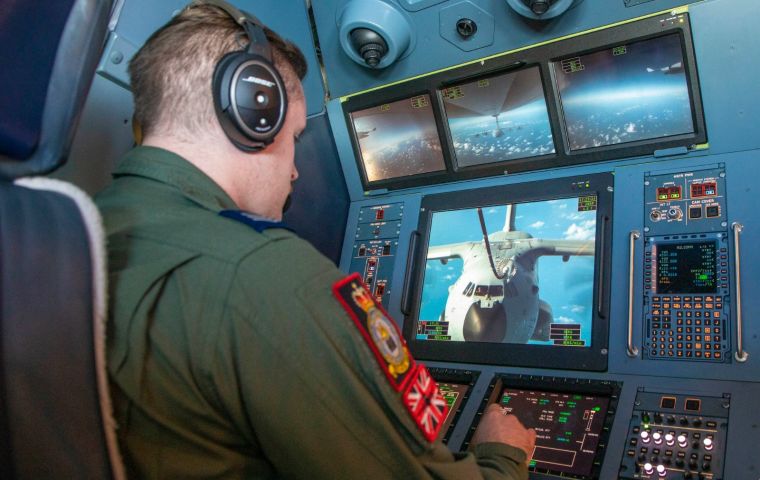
(661, 470)
(670, 418)
(679, 462)
(697, 422)
(657, 418)
(708, 443)
(648, 468)
(706, 466)
(711, 424)
(683, 420)
(657, 437)
(682, 441)
(645, 436)
(670, 439)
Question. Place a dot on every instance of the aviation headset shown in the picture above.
(249, 94)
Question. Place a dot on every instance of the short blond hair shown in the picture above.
(171, 74)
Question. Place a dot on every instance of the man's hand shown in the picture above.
(495, 426)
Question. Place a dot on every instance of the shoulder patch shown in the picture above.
(419, 392)
(377, 328)
(425, 403)
(252, 221)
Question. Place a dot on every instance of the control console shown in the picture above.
(375, 245)
(676, 436)
(686, 267)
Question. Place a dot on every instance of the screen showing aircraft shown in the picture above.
(398, 139)
(627, 93)
(520, 273)
(498, 118)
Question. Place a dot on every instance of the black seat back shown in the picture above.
(54, 403)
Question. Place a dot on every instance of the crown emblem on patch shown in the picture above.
(362, 298)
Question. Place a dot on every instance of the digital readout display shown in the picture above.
(665, 194)
(686, 268)
(568, 426)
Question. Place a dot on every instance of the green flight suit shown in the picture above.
(229, 356)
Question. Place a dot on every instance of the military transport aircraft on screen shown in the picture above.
(484, 307)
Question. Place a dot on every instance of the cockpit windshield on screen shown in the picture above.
(530, 280)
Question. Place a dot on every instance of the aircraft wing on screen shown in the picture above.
(453, 250)
(501, 95)
(540, 247)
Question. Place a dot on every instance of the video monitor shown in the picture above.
(398, 139)
(631, 92)
(514, 275)
(498, 118)
(569, 417)
(455, 386)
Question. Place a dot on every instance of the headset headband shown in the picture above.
(258, 45)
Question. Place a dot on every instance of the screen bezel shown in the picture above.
(600, 388)
(625, 35)
(541, 56)
(364, 103)
(592, 358)
(466, 378)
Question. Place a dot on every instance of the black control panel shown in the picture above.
(676, 436)
(686, 268)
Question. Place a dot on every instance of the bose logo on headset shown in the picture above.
(249, 94)
(259, 81)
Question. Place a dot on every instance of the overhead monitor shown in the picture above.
(515, 275)
(498, 118)
(634, 91)
(397, 139)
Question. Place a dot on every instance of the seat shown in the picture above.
(55, 412)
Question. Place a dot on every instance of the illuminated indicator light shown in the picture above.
(648, 468)
(670, 439)
(645, 436)
(657, 436)
(708, 443)
(661, 470)
(682, 441)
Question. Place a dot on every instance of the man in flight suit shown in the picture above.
(230, 352)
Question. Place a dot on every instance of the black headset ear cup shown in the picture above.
(250, 99)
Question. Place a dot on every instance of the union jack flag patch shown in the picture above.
(425, 403)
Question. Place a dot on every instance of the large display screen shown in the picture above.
(568, 426)
(631, 92)
(398, 139)
(686, 268)
(530, 281)
(498, 118)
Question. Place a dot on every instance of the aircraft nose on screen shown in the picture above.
(484, 324)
